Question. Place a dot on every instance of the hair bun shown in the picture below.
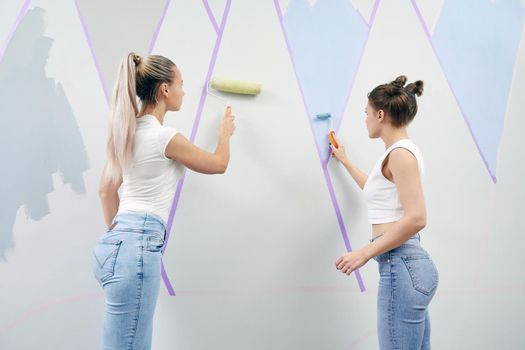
(415, 87)
(391, 90)
(399, 82)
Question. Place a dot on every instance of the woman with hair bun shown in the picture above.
(147, 159)
(397, 213)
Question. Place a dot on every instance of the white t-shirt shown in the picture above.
(149, 182)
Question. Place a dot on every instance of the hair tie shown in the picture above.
(137, 59)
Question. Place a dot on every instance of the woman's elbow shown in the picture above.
(420, 221)
(105, 191)
(221, 168)
(417, 221)
(221, 164)
(215, 168)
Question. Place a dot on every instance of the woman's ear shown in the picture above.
(163, 90)
(380, 114)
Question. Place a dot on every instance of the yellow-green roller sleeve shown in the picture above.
(235, 86)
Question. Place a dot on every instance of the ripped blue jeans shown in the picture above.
(407, 283)
(126, 263)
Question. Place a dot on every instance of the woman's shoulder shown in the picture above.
(405, 153)
(405, 144)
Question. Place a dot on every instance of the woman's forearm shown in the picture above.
(110, 203)
(223, 151)
(399, 232)
(358, 176)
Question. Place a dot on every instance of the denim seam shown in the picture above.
(392, 303)
(139, 296)
(144, 222)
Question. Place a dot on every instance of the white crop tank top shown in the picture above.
(149, 182)
(381, 194)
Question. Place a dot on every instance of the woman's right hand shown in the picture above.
(339, 153)
(227, 124)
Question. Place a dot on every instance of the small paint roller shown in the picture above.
(331, 134)
(323, 116)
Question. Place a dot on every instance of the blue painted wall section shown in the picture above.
(326, 41)
(477, 43)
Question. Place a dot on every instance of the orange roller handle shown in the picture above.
(331, 135)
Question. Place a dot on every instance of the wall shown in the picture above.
(251, 253)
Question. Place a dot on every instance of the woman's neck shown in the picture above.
(158, 111)
(393, 136)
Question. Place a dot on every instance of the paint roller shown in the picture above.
(331, 134)
(323, 116)
(235, 86)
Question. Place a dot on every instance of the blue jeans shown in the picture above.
(407, 283)
(126, 263)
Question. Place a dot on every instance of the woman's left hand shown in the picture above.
(351, 261)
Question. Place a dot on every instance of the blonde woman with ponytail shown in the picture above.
(146, 159)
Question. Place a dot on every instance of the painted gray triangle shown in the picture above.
(118, 27)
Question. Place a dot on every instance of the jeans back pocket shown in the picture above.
(154, 243)
(104, 258)
(423, 273)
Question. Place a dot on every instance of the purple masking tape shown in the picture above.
(196, 123)
(324, 165)
(341, 222)
(21, 15)
(211, 16)
(93, 56)
(157, 31)
(427, 32)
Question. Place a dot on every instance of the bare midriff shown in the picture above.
(378, 229)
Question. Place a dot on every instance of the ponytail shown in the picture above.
(122, 118)
(137, 78)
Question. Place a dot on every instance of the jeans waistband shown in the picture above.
(410, 248)
(140, 221)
